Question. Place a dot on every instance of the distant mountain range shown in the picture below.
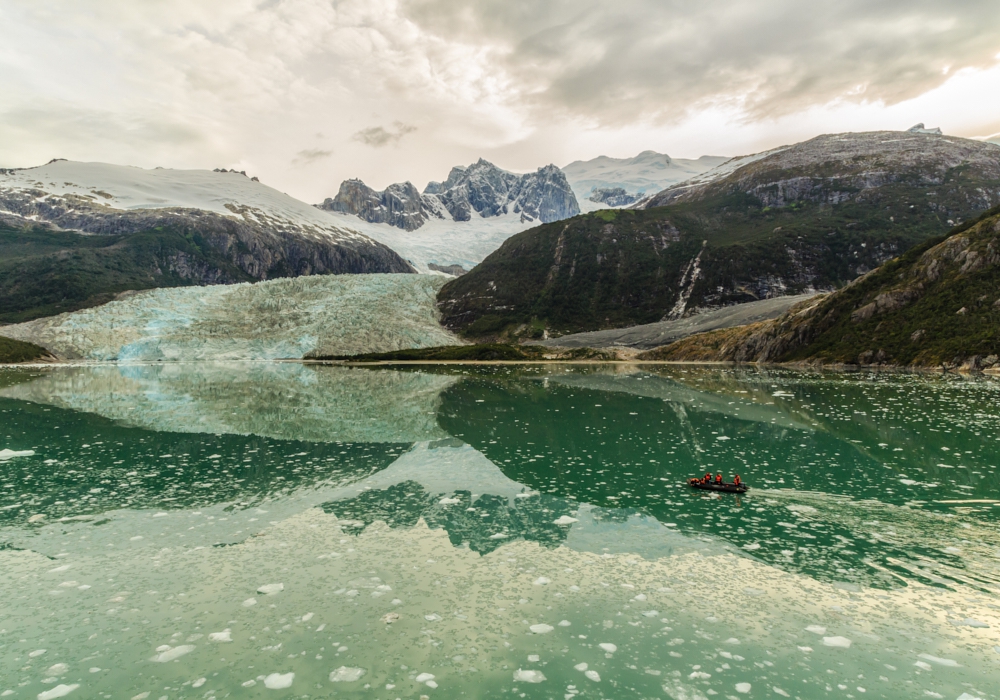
(648, 172)
(157, 228)
(810, 216)
(480, 190)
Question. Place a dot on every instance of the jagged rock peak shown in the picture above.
(921, 129)
(481, 188)
(398, 205)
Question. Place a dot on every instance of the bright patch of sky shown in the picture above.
(306, 93)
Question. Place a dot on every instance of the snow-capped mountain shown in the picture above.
(482, 189)
(453, 225)
(647, 173)
(261, 231)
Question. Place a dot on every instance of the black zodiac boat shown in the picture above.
(724, 488)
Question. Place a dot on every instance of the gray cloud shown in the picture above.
(661, 59)
(311, 155)
(377, 136)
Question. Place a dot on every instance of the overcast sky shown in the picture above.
(306, 93)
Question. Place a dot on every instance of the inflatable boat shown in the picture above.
(724, 488)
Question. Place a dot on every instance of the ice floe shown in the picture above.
(60, 691)
(842, 642)
(170, 653)
(528, 676)
(271, 588)
(279, 681)
(346, 674)
(541, 628)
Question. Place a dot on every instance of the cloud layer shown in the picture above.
(308, 92)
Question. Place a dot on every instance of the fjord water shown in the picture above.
(280, 530)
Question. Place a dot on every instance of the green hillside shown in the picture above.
(936, 305)
(45, 272)
(12, 351)
(768, 229)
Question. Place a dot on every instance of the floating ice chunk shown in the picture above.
(307, 617)
(94, 669)
(424, 677)
(699, 675)
(723, 437)
(581, 666)
(249, 684)
(36, 517)
(970, 622)
(966, 696)
(499, 536)
(575, 589)
(542, 581)
(779, 691)
(279, 681)
(6, 454)
(732, 640)
(141, 696)
(449, 502)
(249, 602)
(564, 520)
(36, 652)
(565, 623)
(753, 592)
(223, 636)
(816, 629)
(431, 684)
(56, 570)
(742, 687)
(842, 642)
(388, 618)
(321, 627)
(523, 676)
(534, 658)
(608, 647)
(57, 670)
(198, 683)
(753, 546)
(60, 691)
(805, 649)
(170, 654)
(433, 617)
(937, 660)
(541, 628)
(651, 613)
(798, 508)
(923, 664)
(271, 588)
(346, 674)
(593, 675)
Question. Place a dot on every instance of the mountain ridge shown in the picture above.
(481, 188)
(796, 219)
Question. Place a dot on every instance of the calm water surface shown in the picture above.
(287, 531)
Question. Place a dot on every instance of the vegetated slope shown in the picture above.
(811, 216)
(938, 304)
(12, 351)
(287, 318)
(72, 235)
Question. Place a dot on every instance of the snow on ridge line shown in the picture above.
(129, 188)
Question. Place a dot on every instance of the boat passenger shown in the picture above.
(707, 479)
(736, 480)
(718, 479)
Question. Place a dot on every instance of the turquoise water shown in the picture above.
(279, 530)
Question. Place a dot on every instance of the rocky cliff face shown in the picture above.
(937, 305)
(865, 167)
(398, 205)
(482, 189)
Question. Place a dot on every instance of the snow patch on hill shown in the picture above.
(285, 318)
(648, 172)
(130, 188)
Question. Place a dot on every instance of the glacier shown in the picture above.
(276, 319)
